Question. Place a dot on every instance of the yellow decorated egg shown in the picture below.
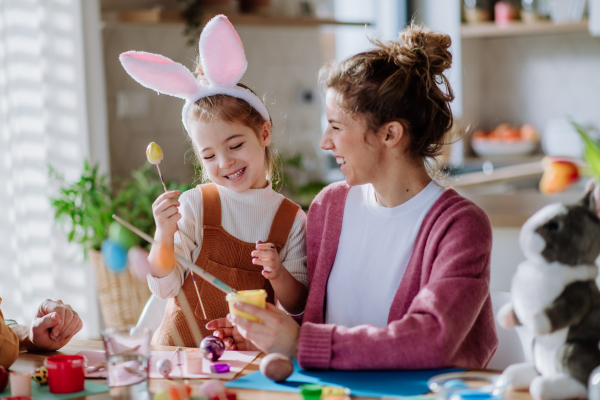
(154, 153)
(40, 376)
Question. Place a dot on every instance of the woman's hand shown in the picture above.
(278, 332)
(166, 214)
(267, 256)
(223, 329)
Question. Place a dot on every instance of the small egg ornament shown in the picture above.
(165, 257)
(276, 367)
(138, 262)
(40, 376)
(119, 234)
(164, 367)
(154, 154)
(114, 255)
(213, 348)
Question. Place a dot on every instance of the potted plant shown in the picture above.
(84, 209)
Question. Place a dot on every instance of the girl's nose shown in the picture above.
(227, 162)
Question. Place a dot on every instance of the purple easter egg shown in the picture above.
(213, 348)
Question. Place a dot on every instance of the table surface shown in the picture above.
(28, 362)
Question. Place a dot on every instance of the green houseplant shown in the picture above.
(84, 209)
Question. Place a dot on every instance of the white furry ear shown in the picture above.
(160, 73)
(221, 53)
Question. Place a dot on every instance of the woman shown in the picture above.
(398, 268)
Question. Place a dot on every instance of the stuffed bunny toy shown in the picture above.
(223, 63)
(555, 296)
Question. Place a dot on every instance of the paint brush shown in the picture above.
(222, 286)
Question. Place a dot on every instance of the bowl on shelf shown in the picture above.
(505, 141)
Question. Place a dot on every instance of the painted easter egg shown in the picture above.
(165, 258)
(213, 348)
(138, 262)
(154, 153)
(40, 376)
(276, 367)
(164, 367)
(162, 395)
(122, 235)
(114, 255)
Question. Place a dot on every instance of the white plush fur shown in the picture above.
(223, 61)
(557, 388)
(535, 286)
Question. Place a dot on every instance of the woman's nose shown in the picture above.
(326, 143)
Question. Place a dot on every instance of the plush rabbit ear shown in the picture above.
(221, 53)
(160, 73)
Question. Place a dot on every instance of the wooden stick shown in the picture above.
(161, 178)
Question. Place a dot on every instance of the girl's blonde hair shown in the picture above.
(221, 107)
(400, 81)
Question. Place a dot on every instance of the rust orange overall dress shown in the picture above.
(227, 258)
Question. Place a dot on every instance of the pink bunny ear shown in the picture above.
(221, 53)
(160, 73)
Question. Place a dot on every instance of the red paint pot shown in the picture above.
(65, 373)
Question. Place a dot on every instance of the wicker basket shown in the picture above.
(122, 296)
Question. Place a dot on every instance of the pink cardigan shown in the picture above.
(442, 313)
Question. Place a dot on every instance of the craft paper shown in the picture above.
(236, 359)
(360, 383)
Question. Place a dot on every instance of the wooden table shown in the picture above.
(28, 362)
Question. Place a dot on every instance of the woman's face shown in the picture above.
(355, 149)
(232, 154)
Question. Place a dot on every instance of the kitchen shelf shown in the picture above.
(491, 30)
(172, 17)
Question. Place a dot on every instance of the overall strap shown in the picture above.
(282, 223)
(211, 205)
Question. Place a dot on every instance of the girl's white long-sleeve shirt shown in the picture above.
(248, 217)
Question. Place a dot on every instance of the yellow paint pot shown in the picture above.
(257, 298)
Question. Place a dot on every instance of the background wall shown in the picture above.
(531, 79)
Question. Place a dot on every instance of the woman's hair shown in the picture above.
(221, 107)
(400, 81)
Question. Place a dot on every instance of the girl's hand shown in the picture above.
(166, 214)
(223, 329)
(278, 332)
(266, 255)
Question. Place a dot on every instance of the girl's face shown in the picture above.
(355, 149)
(232, 154)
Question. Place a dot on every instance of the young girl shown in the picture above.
(399, 267)
(236, 228)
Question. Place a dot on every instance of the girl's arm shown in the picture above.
(287, 273)
(449, 322)
(185, 241)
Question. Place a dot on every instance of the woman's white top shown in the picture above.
(375, 246)
(248, 217)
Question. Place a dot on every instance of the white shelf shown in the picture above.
(491, 30)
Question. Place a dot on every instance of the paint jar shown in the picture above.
(193, 361)
(20, 384)
(255, 297)
(65, 373)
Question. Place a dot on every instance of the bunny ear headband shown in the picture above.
(223, 62)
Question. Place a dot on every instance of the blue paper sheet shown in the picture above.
(360, 383)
